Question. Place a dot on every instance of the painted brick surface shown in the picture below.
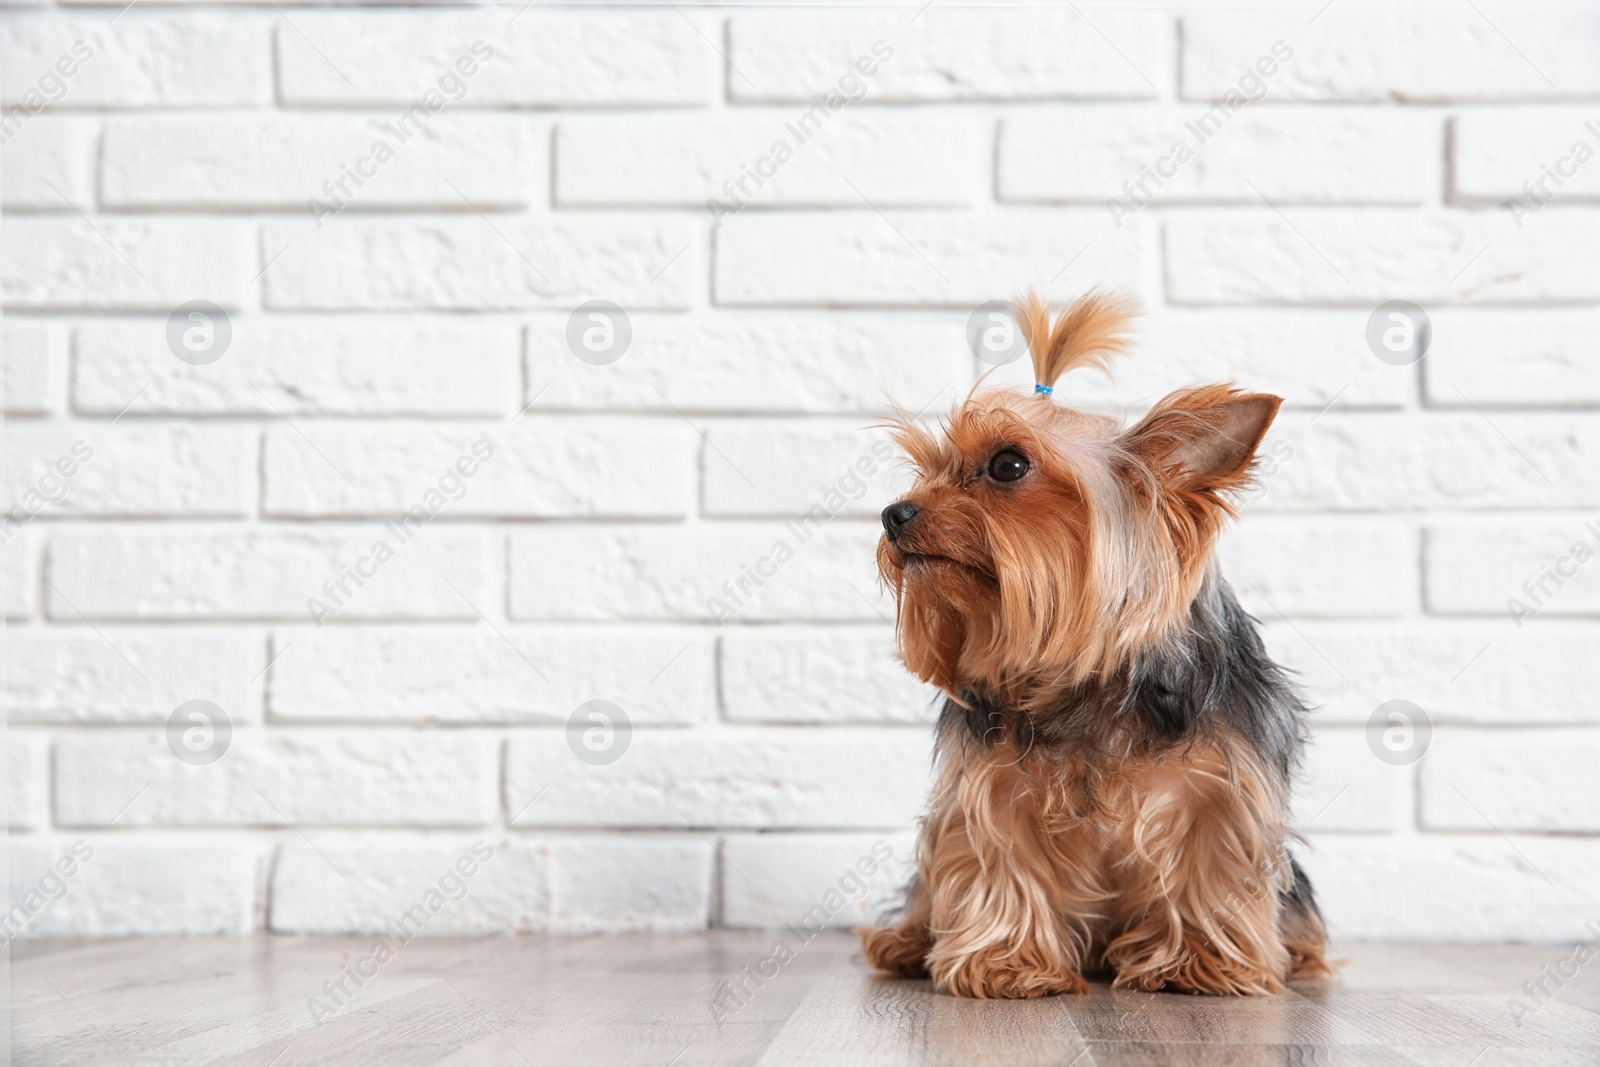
(541, 59)
(249, 160)
(944, 55)
(793, 215)
(1290, 156)
(1404, 54)
(274, 779)
(521, 675)
(745, 777)
(50, 165)
(303, 366)
(813, 881)
(36, 357)
(62, 263)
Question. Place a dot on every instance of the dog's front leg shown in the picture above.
(902, 949)
(1005, 917)
(1201, 876)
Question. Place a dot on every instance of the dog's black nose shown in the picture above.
(896, 517)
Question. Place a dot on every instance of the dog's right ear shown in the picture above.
(1202, 440)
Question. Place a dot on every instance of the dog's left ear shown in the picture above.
(1203, 438)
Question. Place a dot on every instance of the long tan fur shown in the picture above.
(1161, 866)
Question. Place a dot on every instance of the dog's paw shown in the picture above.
(1197, 972)
(898, 950)
(984, 978)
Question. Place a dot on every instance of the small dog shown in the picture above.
(1115, 750)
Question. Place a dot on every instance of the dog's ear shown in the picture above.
(1203, 438)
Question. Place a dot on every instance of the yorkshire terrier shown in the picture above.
(1115, 749)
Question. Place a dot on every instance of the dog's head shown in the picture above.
(1042, 546)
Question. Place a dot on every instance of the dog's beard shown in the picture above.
(948, 613)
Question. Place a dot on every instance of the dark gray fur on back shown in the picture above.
(1213, 677)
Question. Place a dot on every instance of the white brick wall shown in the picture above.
(635, 534)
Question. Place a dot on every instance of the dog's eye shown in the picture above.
(1008, 466)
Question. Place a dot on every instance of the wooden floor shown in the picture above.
(652, 1000)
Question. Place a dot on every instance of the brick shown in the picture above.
(146, 60)
(1524, 155)
(1498, 360)
(1289, 156)
(1477, 672)
(297, 366)
(767, 467)
(35, 366)
(1419, 880)
(819, 674)
(470, 263)
(945, 55)
(256, 159)
(1174, 348)
(1479, 570)
(25, 780)
(1407, 55)
(1486, 780)
(19, 572)
(199, 573)
(707, 572)
(737, 777)
(354, 885)
(541, 59)
(1367, 258)
(49, 163)
(478, 675)
(131, 675)
(851, 258)
(128, 470)
(832, 881)
(767, 159)
(621, 884)
(140, 888)
(1373, 462)
(753, 362)
(1319, 568)
(1343, 786)
(561, 885)
(536, 469)
(277, 778)
(120, 264)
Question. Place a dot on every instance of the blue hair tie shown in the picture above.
(1045, 389)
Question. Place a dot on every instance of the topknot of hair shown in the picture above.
(1087, 334)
